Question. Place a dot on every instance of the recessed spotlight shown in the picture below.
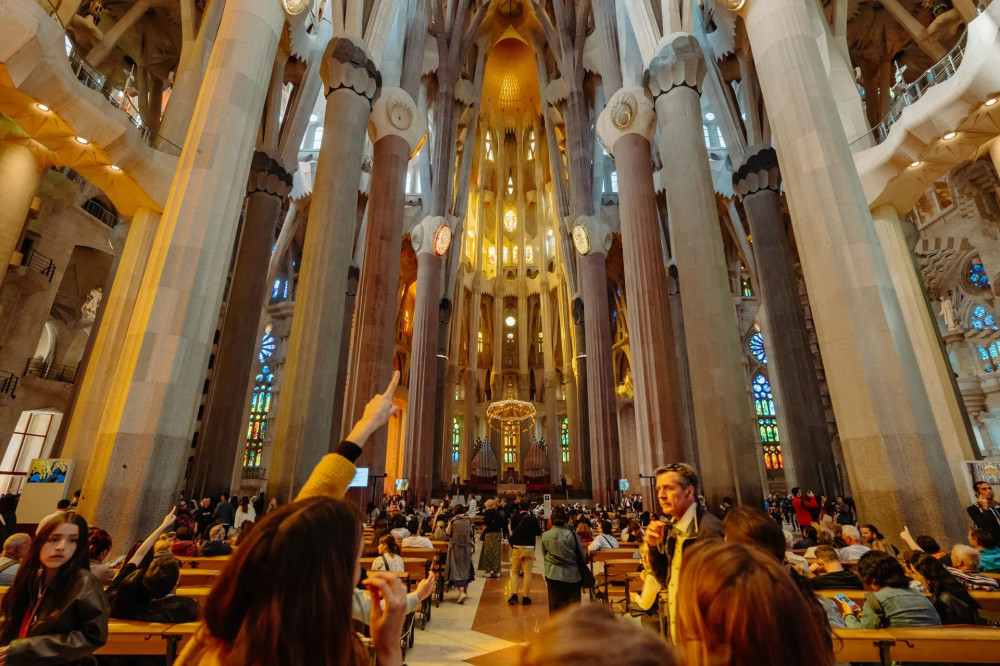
(80, 139)
(709, 116)
(115, 167)
(313, 117)
(991, 102)
(914, 165)
(41, 107)
(949, 136)
(510, 321)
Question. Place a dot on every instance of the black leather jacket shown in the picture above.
(709, 527)
(65, 633)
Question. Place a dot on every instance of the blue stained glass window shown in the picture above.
(757, 348)
(266, 348)
(983, 318)
(977, 276)
(564, 439)
(767, 424)
(983, 354)
(456, 440)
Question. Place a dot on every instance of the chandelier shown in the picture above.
(510, 411)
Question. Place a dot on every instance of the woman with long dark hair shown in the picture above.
(56, 611)
(287, 594)
(737, 605)
(950, 597)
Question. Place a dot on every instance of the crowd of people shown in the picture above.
(732, 579)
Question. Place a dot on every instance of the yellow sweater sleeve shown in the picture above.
(330, 478)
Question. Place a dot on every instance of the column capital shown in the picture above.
(346, 65)
(431, 236)
(267, 175)
(556, 91)
(758, 172)
(394, 113)
(591, 235)
(678, 62)
(629, 111)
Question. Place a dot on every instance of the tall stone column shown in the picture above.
(222, 429)
(430, 240)
(593, 239)
(304, 419)
(805, 440)
(21, 175)
(396, 130)
(95, 384)
(144, 436)
(627, 126)
(549, 383)
(726, 437)
(896, 462)
(932, 356)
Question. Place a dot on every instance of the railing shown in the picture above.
(255, 473)
(38, 262)
(8, 383)
(108, 217)
(92, 78)
(52, 371)
(943, 70)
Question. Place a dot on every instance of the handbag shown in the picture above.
(587, 580)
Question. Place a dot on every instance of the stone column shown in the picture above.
(305, 413)
(223, 426)
(726, 437)
(95, 383)
(932, 357)
(895, 458)
(145, 432)
(627, 126)
(21, 176)
(805, 440)
(396, 131)
(593, 239)
(552, 429)
(430, 240)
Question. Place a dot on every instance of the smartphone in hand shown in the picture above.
(849, 605)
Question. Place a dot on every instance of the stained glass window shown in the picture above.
(614, 181)
(531, 145)
(757, 348)
(489, 147)
(767, 424)
(983, 318)
(990, 356)
(977, 276)
(746, 287)
(456, 440)
(510, 443)
(564, 439)
(266, 346)
(510, 220)
(260, 405)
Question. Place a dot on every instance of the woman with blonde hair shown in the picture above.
(493, 524)
(737, 606)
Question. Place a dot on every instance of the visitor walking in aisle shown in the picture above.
(460, 552)
(562, 554)
(489, 558)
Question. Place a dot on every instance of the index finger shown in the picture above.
(392, 385)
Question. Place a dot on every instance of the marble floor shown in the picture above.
(485, 630)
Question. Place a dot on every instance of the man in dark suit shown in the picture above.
(677, 493)
(985, 513)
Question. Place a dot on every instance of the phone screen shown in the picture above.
(115, 562)
(844, 599)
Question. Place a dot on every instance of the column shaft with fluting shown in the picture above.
(305, 412)
(726, 437)
(805, 440)
(418, 457)
(395, 130)
(144, 437)
(896, 462)
(627, 125)
(223, 428)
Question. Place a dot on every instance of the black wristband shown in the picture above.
(349, 450)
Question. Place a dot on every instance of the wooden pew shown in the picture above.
(126, 637)
(615, 577)
(198, 577)
(217, 563)
(862, 645)
(955, 643)
(199, 594)
(989, 601)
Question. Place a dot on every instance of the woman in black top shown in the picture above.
(950, 597)
(493, 524)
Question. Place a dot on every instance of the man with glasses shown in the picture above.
(677, 493)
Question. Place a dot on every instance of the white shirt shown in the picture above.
(400, 533)
(602, 542)
(417, 542)
(852, 552)
(684, 526)
(394, 561)
(243, 516)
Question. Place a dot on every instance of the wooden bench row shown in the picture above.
(958, 644)
(127, 638)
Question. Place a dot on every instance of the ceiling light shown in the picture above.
(510, 321)
(709, 116)
(313, 118)
(914, 165)
(80, 139)
(42, 107)
(510, 337)
(991, 102)
(115, 167)
(949, 136)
